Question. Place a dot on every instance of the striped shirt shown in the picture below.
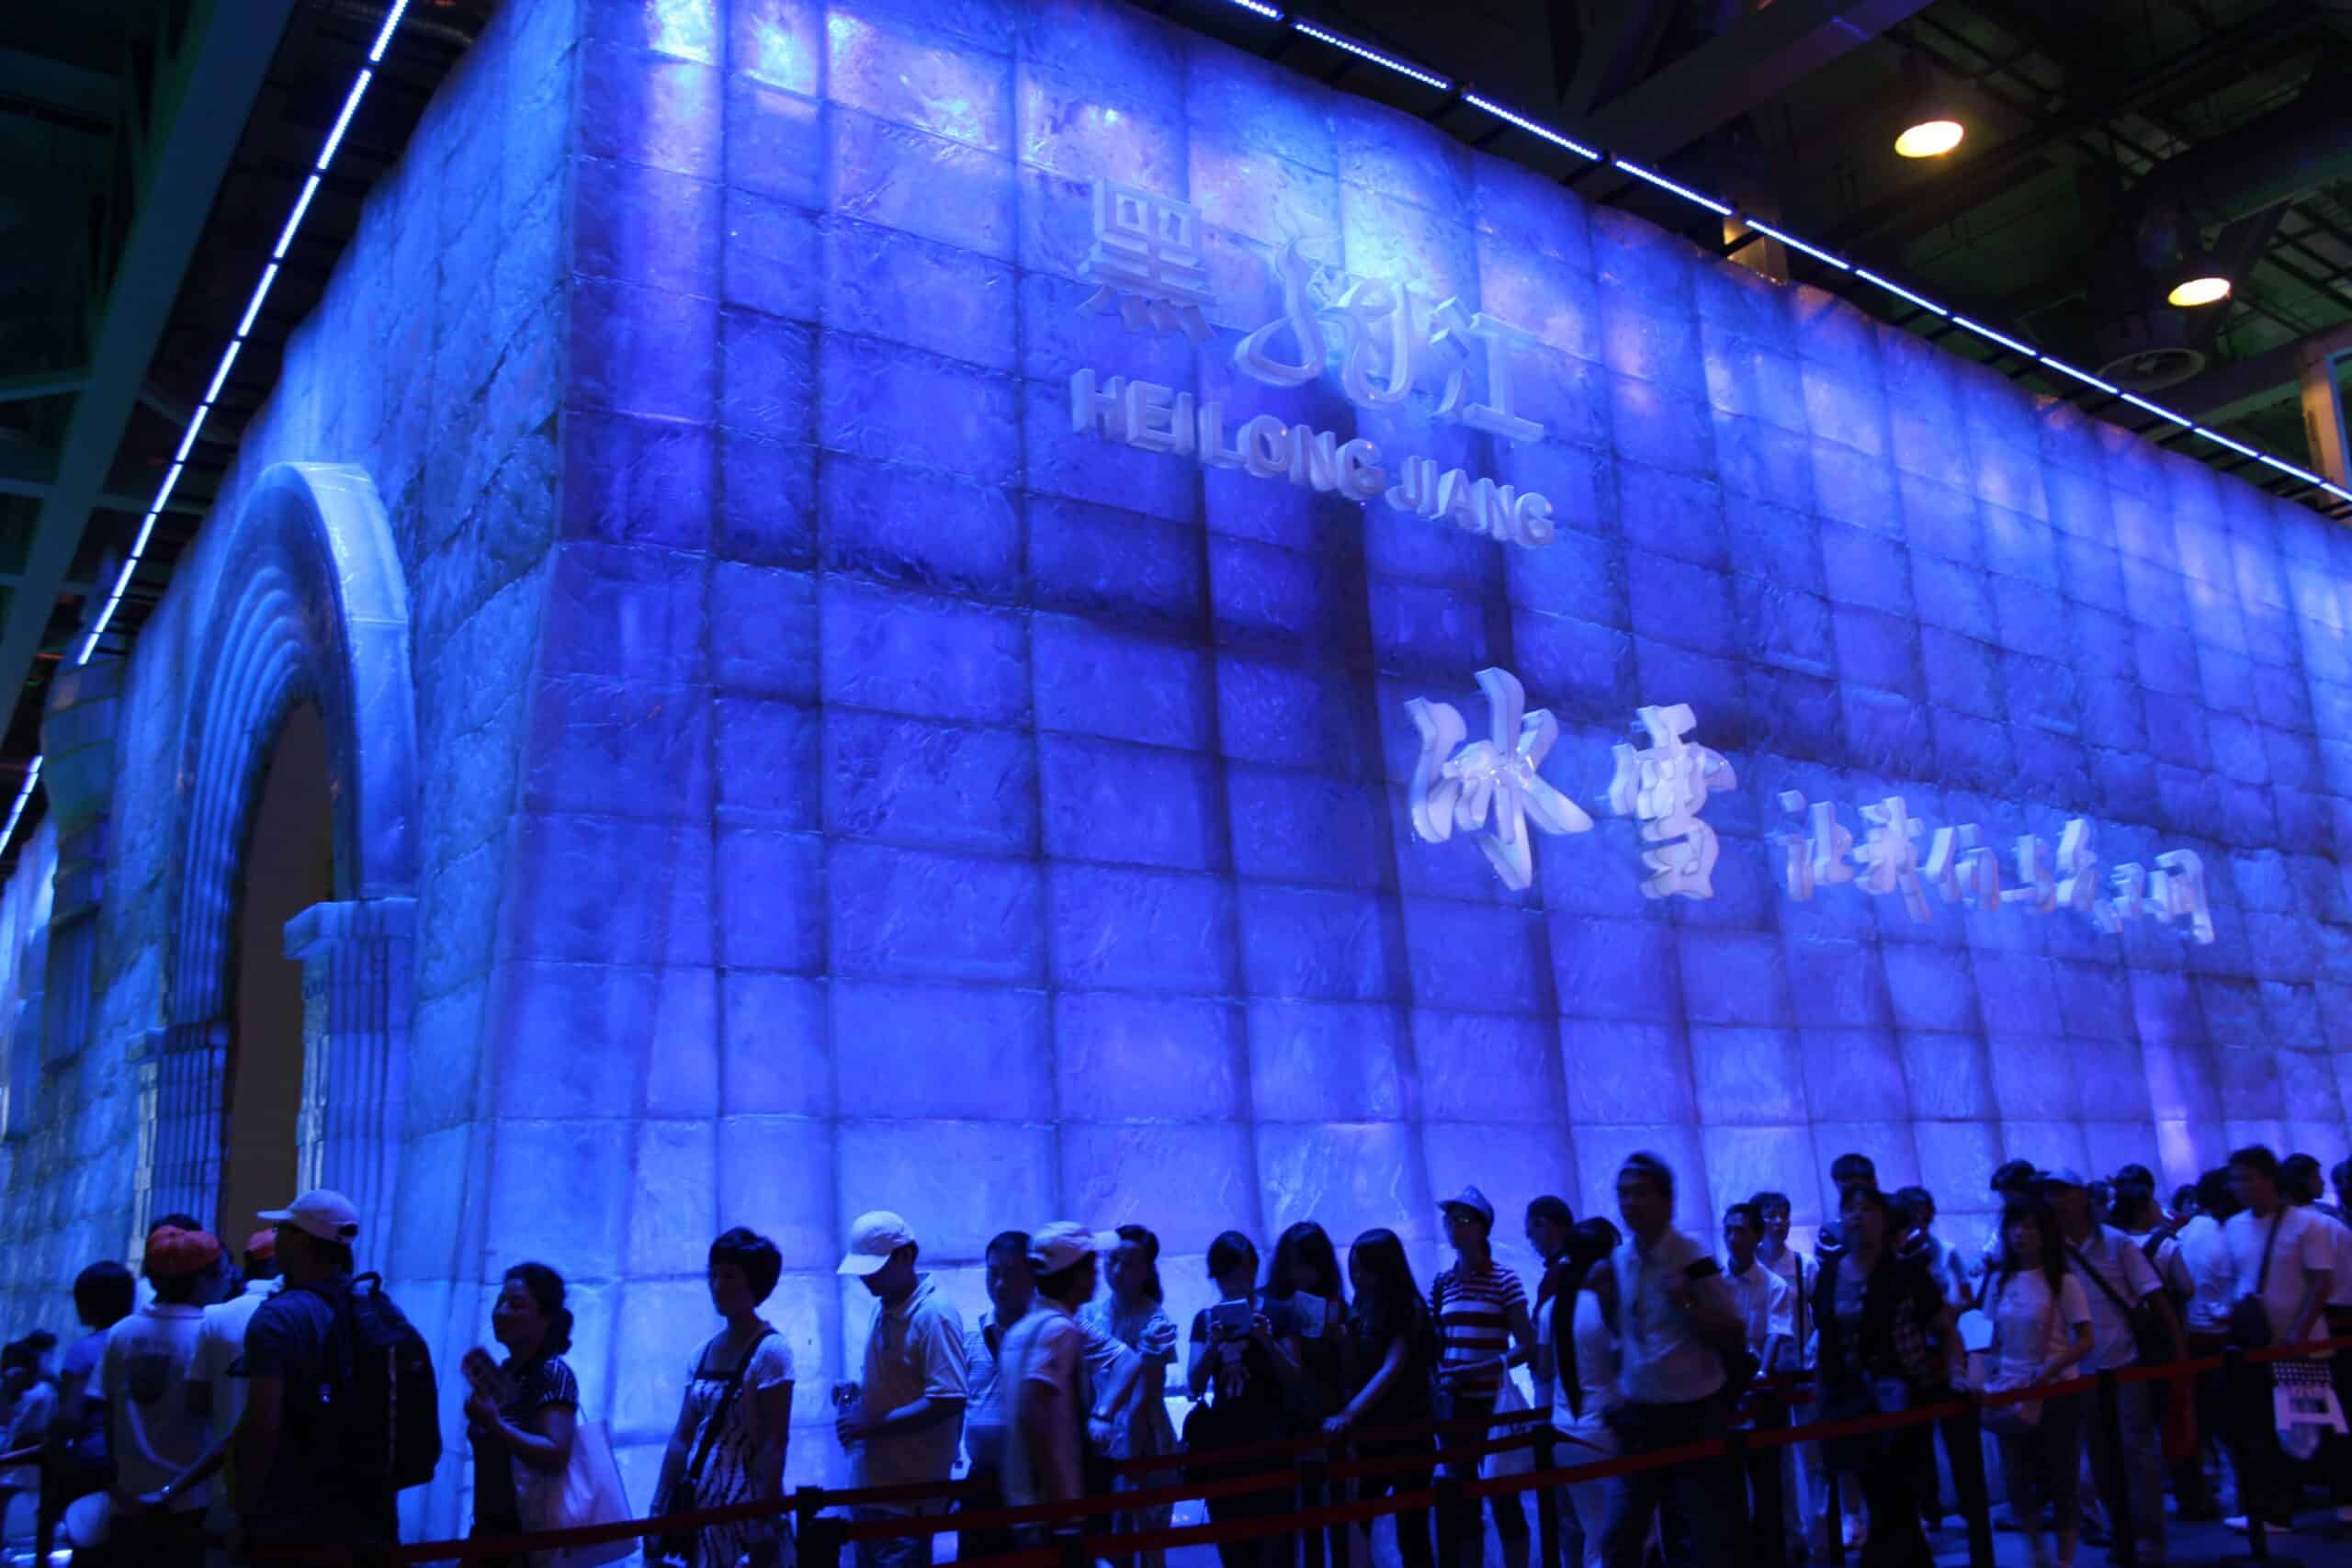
(1472, 1309)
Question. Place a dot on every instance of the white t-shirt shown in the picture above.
(1764, 1299)
(914, 1351)
(2028, 1335)
(1801, 1272)
(1663, 1360)
(2303, 1248)
(2116, 1259)
(1045, 1348)
(2341, 1233)
(156, 1431)
(2198, 1267)
(1595, 1350)
(218, 1365)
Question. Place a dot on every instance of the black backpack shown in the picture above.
(378, 1398)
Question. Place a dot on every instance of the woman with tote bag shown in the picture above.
(536, 1467)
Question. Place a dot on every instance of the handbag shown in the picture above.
(2249, 1319)
(587, 1491)
(678, 1545)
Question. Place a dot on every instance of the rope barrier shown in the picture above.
(806, 1503)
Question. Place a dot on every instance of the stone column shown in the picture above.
(359, 979)
(77, 734)
(179, 1119)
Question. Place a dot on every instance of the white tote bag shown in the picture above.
(587, 1491)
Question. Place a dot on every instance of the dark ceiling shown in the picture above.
(2107, 140)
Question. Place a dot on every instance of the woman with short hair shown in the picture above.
(734, 1421)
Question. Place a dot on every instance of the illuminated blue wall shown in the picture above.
(1038, 801)
(847, 787)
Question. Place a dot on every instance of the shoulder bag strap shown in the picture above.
(2110, 1291)
(2262, 1279)
(718, 1412)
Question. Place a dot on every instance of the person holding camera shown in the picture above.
(907, 1417)
(1244, 1354)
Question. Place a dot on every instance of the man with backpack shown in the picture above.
(341, 1414)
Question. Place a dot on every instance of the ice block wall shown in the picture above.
(931, 807)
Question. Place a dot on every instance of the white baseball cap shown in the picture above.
(872, 1239)
(322, 1212)
(1063, 1242)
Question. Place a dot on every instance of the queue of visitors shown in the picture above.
(255, 1406)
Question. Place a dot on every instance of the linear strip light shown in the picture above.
(1365, 52)
(1271, 13)
(2085, 377)
(327, 150)
(1981, 329)
(1530, 127)
(1867, 276)
(1685, 192)
(1796, 245)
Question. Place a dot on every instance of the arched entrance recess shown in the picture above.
(303, 602)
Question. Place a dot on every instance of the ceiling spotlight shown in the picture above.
(1929, 138)
(2209, 290)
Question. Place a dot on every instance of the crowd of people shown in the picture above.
(248, 1407)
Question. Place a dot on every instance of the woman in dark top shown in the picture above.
(1888, 1344)
(1244, 1355)
(520, 1413)
(1304, 1282)
(1395, 1348)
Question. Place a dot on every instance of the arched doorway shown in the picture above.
(287, 867)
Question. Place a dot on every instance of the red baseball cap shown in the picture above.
(174, 1254)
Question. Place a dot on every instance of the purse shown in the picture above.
(678, 1545)
(2249, 1319)
(587, 1491)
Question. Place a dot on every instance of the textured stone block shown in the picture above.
(1746, 1076)
(887, 174)
(1327, 1062)
(604, 890)
(1095, 680)
(900, 912)
(642, 351)
(776, 1175)
(1291, 717)
(1312, 942)
(1651, 424)
(1187, 1183)
(770, 640)
(619, 746)
(633, 612)
(1140, 804)
(910, 653)
(675, 1197)
(771, 898)
(1347, 1177)
(1740, 1163)
(1274, 599)
(985, 1053)
(969, 1179)
(1128, 1058)
(1616, 971)
(586, 1230)
(636, 481)
(1304, 828)
(776, 1058)
(906, 780)
(1131, 929)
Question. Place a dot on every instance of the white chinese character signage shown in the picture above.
(1456, 785)
(1961, 868)
(1666, 785)
(1384, 335)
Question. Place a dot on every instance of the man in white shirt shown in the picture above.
(1677, 1318)
(2203, 1282)
(1802, 1463)
(1044, 1386)
(155, 1430)
(1765, 1300)
(2120, 1282)
(908, 1417)
(2300, 1184)
(2282, 1257)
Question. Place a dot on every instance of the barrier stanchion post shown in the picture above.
(1976, 1493)
(1446, 1516)
(1312, 1472)
(1833, 1517)
(821, 1546)
(1547, 1499)
(807, 1503)
(1760, 1470)
(2126, 1550)
(2235, 1376)
(1070, 1541)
